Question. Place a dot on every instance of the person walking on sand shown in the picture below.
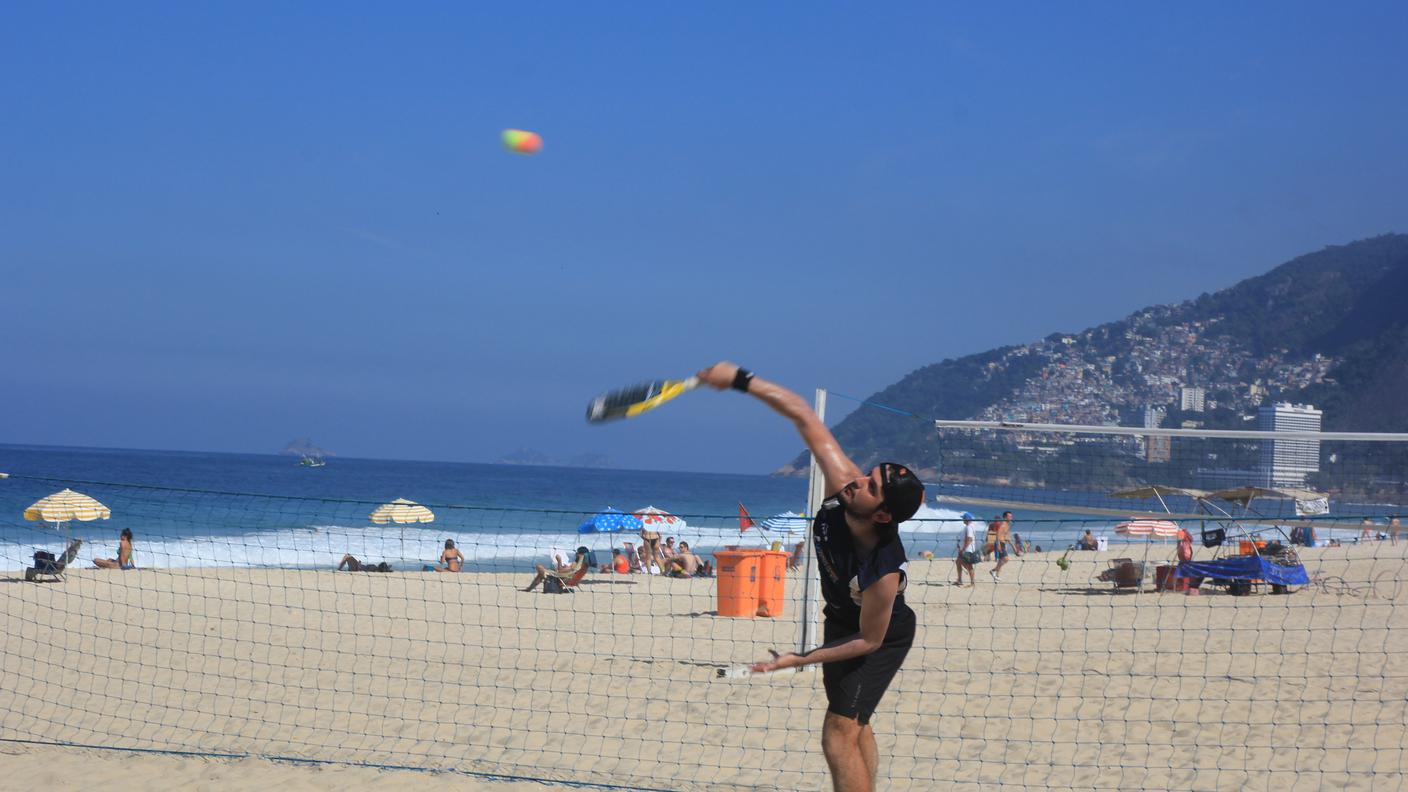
(1001, 547)
(1014, 539)
(967, 551)
(868, 628)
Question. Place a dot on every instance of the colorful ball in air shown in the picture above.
(522, 142)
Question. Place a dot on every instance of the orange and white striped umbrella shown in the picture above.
(402, 511)
(1162, 529)
(67, 505)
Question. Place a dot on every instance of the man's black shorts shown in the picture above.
(854, 687)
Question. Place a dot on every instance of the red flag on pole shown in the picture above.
(744, 521)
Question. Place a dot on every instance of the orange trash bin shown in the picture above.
(772, 577)
(738, 574)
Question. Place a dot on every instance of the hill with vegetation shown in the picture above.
(1328, 328)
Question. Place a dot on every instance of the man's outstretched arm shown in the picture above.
(836, 467)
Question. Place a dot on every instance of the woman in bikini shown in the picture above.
(452, 560)
(650, 549)
(124, 554)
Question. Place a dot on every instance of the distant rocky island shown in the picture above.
(530, 456)
(304, 446)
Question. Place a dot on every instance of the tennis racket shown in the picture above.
(746, 670)
(741, 671)
(632, 401)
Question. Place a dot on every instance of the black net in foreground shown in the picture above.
(237, 634)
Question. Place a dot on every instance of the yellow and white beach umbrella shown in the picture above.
(67, 505)
(402, 511)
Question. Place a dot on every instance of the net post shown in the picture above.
(810, 632)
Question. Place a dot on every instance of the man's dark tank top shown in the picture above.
(845, 573)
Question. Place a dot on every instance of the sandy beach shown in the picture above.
(1043, 680)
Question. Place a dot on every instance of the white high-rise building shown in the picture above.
(1192, 398)
(1286, 463)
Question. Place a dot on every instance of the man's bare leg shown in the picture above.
(870, 753)
(841, 744)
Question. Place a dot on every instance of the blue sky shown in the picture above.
(226, 225)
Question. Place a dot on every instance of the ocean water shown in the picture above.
(215, 510)
(211, 510)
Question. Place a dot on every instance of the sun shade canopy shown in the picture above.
(67, 505)
(1162, 529)
(1245, 495)
(402, 511)
(1159, 491)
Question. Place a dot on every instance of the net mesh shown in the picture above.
(236, 635)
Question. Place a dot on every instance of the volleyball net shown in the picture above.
(236, 635)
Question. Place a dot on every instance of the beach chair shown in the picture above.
(45, 564)
(567, 582)
(1124, 573)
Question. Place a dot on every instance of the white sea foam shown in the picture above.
(409, 548)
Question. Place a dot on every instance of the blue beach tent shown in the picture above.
(610, 521)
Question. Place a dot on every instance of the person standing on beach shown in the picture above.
(650, 557)
(967, 551)
(868, 627)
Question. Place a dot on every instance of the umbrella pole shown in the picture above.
(63, 544)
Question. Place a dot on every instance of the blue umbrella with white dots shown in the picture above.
(610, 521)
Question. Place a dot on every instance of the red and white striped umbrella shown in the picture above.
(660, 520)
(1162, 529)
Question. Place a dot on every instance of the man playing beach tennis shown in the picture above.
(868, 627)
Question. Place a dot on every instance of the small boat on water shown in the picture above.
(310, 460)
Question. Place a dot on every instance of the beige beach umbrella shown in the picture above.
(67, 505)
(402, 511)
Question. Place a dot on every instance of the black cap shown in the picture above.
(902, 490)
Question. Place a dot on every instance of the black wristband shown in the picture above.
(742, 379)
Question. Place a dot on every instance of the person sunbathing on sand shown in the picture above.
(452, 560)
(564, 573)
(684, 564)
(124, 554)
(353, 565)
